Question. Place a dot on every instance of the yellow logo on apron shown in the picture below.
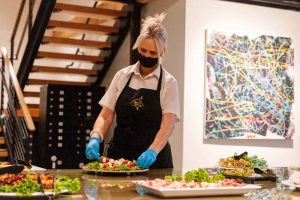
(137, 103)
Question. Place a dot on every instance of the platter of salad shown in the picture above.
(109, 165)
(243, 161)
(194, 183)
(33, 184)
(247, 167)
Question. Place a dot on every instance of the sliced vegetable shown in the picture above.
(64, 183)
(200, 175)
(25, 188)
(109, 164)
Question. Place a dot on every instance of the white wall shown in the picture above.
(8, 15)
(10, 8)
(121, 60)
(242, 18)
(6, 28)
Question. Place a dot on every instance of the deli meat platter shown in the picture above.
(158, 188)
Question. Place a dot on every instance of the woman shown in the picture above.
(145, 99)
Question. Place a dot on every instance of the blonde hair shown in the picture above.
(152, 28)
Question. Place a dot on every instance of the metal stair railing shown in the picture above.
(15, 117)
(36, 30)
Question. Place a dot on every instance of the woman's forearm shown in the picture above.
(164, 133)
(103, 121)
(101, 125)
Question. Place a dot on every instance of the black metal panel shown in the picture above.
(67, 115)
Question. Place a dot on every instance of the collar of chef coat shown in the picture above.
(136, 70)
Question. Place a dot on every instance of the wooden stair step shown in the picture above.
(95, 59)
(144, 1)
(72, 42)
(45, 82)
(2, 140)
(63, 25)
(30, 105)
(3, 153)
(90, 12)
(34, 113)
(31, 94)
(64, 70)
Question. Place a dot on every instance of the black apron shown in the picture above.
(139, 117)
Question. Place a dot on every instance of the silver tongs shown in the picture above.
(54, 186)
(22, 162)
(41, 183)
(15, 167)
(12, 169)
(238, 157)
(269, 174)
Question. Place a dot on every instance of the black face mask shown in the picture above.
(147, 62)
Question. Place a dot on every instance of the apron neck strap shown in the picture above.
(127, 84)
(160, 79)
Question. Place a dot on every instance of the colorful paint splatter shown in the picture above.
(249, 87)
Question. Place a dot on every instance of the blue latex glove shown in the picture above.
(147, 158)
(92, 149)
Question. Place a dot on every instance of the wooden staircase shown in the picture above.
(3, 150)
(77, 48)
(77, 45)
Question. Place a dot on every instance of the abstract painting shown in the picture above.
(249, 86)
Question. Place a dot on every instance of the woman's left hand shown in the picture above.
(147, 158)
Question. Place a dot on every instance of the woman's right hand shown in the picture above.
(92, 149)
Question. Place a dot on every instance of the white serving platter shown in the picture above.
(291, 180)
(192, 192)
(290, 184)
(46, 193)
(13, 194)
